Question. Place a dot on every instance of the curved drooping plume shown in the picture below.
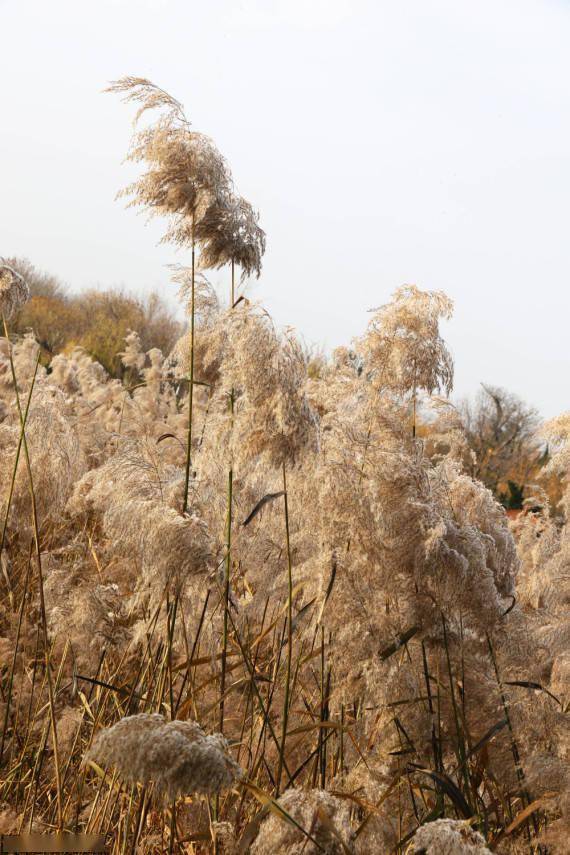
(14, 290)
(188, 179)
(230, 233)
(185, 169)
(142, 91)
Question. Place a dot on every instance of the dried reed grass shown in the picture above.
(235, 545)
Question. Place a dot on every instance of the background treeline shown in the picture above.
(502, 447)
(96, 320)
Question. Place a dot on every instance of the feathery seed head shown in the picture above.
(14, 291)
(151, 97)
(449, 837)
(133, 355)
(324, 817)
(229, 232)
(176, 755)
(403, 349)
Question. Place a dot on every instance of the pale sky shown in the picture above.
(383, 142)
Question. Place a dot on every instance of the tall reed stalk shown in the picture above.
(228, 557)
(289, 636)
(13, 663)
(17, 456)
(43, 615)
(191, 380)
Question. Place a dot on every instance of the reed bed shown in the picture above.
(245, 608)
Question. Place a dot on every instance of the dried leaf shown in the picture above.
(262, 502)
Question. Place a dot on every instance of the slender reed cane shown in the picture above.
(41, 589)
(226, 598)
(17, 457)
(525, 796)
(14, 657)
(172, 827)
(228, 562)
(289, 638)
(227, 571)
(414, 405)
(191, 381)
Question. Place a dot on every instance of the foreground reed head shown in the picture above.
(449, 837)
(312, 822)
(176, 756)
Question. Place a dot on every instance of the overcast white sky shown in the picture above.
(383, 141)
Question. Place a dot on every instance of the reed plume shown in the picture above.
(403, 349)
(14, 290)
(449, 837)
(322, 824)
(177, 756)
(230, 234)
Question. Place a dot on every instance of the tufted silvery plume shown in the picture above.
(14, 291)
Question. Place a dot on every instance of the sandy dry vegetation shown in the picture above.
(244, 606)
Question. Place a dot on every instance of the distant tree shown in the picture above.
(107, 316)
(95, 320)
(49, 313)
(159, 327)
(501, 430)
(41, 284)
(52, 319)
